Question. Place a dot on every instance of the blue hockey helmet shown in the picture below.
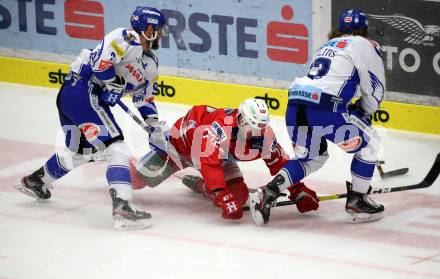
(144, 16)
(350, 20)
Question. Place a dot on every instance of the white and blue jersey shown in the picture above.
(340, 68)
(119, 58)
(317, 109)
(89, 125)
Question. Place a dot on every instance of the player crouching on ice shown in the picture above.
(213, 141)
(121, 64)
(320, 110)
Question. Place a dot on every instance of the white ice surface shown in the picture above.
(70, 236)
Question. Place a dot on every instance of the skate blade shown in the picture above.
(25, 190)
(29, 193)
(354, 218)
(257, 217)
(122, 224)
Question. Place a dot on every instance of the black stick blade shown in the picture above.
(393, 173)
(433, 172)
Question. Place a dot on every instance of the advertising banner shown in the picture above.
(409, 33)
(269, 40)
(179, 90)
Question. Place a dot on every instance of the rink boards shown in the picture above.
(171, 89)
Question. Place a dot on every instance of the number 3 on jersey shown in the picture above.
(319, 68)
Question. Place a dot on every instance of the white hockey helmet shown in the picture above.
(254, 112)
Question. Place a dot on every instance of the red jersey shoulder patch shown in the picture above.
(104, 65)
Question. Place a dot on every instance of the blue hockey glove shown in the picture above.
(112, 92)
(357, 110)
(110, 97)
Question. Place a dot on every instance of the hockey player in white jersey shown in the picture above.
(122, 63)
(320, 109)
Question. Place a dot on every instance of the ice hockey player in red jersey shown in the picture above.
(213, 141)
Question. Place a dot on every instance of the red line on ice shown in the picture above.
(423, 225)
(252, 249)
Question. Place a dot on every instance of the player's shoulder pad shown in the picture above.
(121, 40)
(131, 37)
(376, 46)
(150, 54)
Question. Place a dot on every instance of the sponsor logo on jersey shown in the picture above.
(134, 73)
(218, 130)
(338, 43)
(104, 65)
(351, 144)
(118, 49)
(90, 130)
(311, 94)
(342, 44)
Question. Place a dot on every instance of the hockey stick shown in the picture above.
(392, 173)
(133, 116)
(426, 182)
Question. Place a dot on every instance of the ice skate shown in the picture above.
(33, 186)
(361, 208)
(125, 217)
(260, 203)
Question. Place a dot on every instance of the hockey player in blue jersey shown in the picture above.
(122, 63)
(320, 109)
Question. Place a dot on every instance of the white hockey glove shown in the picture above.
(159, 135)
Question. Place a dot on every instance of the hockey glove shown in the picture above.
(357, 110)
(159, 136)
(306, 198)
(110, 98)
(231, 209)
(112, 92)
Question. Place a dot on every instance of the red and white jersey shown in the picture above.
(208, 137)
